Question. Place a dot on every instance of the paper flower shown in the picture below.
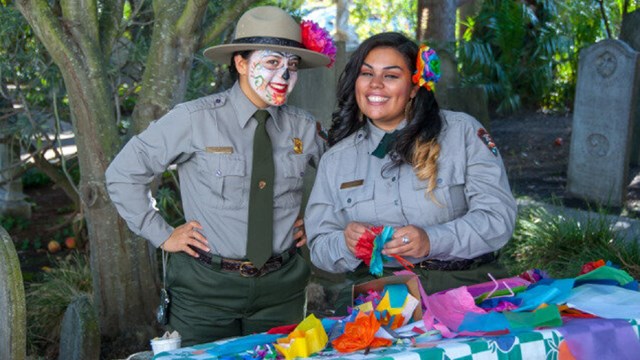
(360, 334)
(317, 39)
(427, 68)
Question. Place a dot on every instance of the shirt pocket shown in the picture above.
(224, 179)
(357, 204)
(449, 193)
(288, 188)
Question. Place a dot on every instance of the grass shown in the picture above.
(560, 244)
(47, 300)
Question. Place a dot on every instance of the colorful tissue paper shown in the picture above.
(309, 337)
(360, 335)
(243, 344)
(606, 273)
(606, 301)
(599, 339)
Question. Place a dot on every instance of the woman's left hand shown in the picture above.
(408, 241)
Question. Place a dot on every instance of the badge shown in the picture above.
(220, 149)
(487, 140)
(350, 184)
(297, 145)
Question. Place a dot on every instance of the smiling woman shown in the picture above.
(398, 161)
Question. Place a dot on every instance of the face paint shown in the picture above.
(273, 74)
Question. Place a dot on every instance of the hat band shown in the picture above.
(267, 40)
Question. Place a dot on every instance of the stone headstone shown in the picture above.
(472, 100)
(80, 332)
(13, 316)
(603, 113)
(630, 33)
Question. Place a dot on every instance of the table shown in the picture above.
(537, 344)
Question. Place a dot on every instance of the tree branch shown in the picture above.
(80, 17)
(224, 20)
(191, 17)
(48, 28)
(109, 24)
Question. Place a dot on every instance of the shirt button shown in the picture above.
(395, 202)
(218, 173)
(393, 178)
(349, 200)
(439, 181)
(217, 101)
(301, 173)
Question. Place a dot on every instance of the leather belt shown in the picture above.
(456, 265)
(245, 268)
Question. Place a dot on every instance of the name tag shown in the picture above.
(350, 184)
(220, 149)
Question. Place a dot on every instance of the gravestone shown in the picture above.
(604, 107)
(630, 33)
(13, 318)
(80, 332)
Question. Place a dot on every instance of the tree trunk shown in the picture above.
(123, 273)
(437, 21)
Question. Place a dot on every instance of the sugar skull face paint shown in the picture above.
(272, 75)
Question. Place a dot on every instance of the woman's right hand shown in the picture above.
(185, 235)
(353, 232)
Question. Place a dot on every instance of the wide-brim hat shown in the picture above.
(267, 28)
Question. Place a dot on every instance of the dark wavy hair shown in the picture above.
(424, 124)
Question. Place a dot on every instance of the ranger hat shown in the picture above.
(267, 28)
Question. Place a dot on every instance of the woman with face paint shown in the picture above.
(241, 154)
(433, 176)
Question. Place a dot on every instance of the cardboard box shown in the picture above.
(378, 285)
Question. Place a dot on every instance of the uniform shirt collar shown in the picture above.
(245, 108)
(376, 134)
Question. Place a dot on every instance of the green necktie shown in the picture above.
(385, 145)
(260, 228)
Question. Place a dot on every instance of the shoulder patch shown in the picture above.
(488, 140)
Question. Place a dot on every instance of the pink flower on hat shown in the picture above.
(317, 39)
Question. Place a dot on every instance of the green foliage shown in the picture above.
(561, 245)
(10, 223)
(525, 54)
(34, 178)
(373, 17)
(48, 299)
(168, 199)
(509, 49)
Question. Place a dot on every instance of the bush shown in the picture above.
(47, 300)
(560, 245)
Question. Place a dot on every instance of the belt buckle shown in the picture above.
(248, 270)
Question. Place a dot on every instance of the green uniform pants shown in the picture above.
(432, 280)
(208, 303)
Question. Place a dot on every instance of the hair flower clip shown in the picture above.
(427, 68)
(317, 39)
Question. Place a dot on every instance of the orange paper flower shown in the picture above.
(360, 334)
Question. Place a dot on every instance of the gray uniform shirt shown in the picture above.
(211, 141)
(476, 214)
